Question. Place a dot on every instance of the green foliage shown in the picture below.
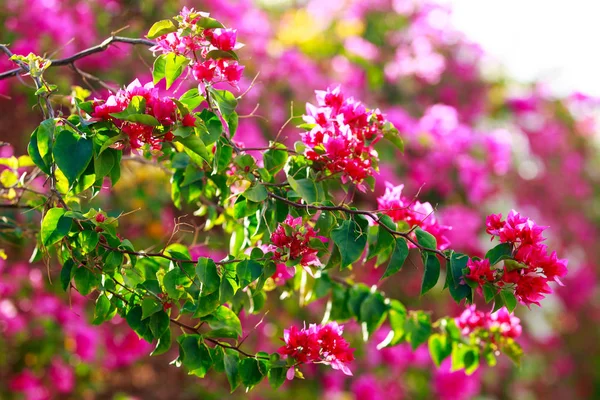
(350, 240)
(209, 278)
(224, 323)
(503, 251)
(230, 190)
(225, 101)
(55, 226)
(275, 158)
(194, 355)
(160, 28)
(454, 277)
(432, 273)
(250, 372)
(72, 153)
(398, 258)
(174, 66)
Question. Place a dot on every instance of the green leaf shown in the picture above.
(175, 281)
(194, 355)
(256, 193)
(218, 54)
(489, 292)
(150, 306)
(226, 291)
(512, 349)
(391, 133)
(397, 319)
(66, 273)
(158, 323)
(105, 162)
(196, 145)
(305, 188)
(192, 99)
(55, 226)
(212, 129)
(158, 69)
(276, 376)
(432, 273)
(339, 303)
(174, 66)
(217, 354)
(471, 360)
(111, 141)
(398, 258)
(357, 295)
(425, 239)
(42, 163)
(384, 239)
(417, 328)
(503, 251)
(465, 357)
(250, 372)
(45, 136)
(224, 323)
(225, 100)
(510, 301)
(72, 154)
(85, 281)
(102, 310)
(275, 159)
(458, 290)
(350, 241)
(440, 348)
(207, 304)
(232, 122)
(160, 28)
(248, 271)
(373, 312)
(163, 344)
(134, 319)
(208, 23)
(113, 260)
(135, 112)
(206, 271)
(231, 361)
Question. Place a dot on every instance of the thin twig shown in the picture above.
(84, 53)
(369, 214)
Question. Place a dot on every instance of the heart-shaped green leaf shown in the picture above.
(72, 154)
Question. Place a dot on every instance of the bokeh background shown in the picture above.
(497, 105)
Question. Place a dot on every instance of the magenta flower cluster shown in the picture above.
(413, 213)
(163, 111)
(210, 51)
(290, 242)
(534, 266)
(501, 321)
(322, 344)
(343, 132)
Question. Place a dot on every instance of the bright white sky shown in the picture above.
(557, 41)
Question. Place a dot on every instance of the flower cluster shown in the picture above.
(413, 213)
(501, 321)
(210, 51)
(532, 268)
(322, 344)
(290, 243)
(151, 120)
(342, 135)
